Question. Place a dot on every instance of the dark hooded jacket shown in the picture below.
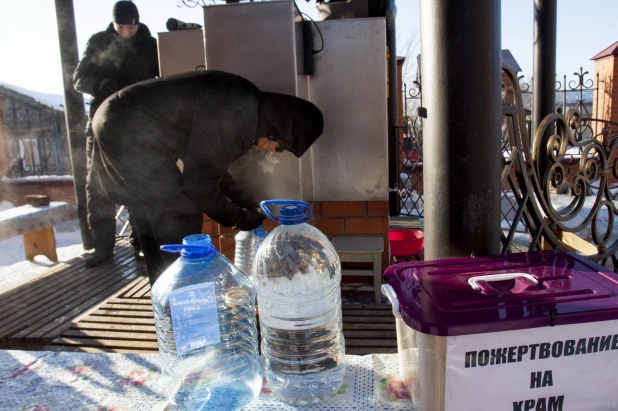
(207, 120)
(120, 62)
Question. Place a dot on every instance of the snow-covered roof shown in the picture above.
(37, 178)
(53, 100)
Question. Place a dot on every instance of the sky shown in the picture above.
(29, 51)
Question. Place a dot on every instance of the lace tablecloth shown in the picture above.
(20, 220)
(50, 381)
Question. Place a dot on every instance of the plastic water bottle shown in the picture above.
(297, 274)
(247, 244)
(205, 319)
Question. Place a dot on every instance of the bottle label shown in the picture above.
(194, 317)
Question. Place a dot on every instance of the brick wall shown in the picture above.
(607, 108)
(605, 100)
(57, 190)
(335, 218)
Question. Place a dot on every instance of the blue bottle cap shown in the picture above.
(292, 214)
(260, 232)
(198, 239)
(196, 246)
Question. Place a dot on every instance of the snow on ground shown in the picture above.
(5, 205)
(15, 270)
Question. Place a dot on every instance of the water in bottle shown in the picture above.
(297, 274)
(205, 319)
(247, 244)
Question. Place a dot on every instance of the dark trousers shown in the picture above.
(101, 210)
(155, 229)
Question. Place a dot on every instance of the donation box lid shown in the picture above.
(505, 292)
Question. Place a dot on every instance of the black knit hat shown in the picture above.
(125, 12)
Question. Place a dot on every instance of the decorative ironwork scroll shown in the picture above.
(546, 200)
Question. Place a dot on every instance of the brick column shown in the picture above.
(605, 99)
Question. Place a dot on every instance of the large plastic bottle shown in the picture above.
(204, 314)
(297, 274)
(247, 244)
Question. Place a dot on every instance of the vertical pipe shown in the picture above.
(393, 96)
(544, 97)
(564, 95)
(461, 72)
(74, 110)
(57, 137)
(596, 104)
(405, 100)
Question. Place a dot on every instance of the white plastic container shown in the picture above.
(525, 331)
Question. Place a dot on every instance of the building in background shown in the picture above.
(34, 149)
(606, 68)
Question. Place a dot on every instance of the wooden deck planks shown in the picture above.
(40, 310)
(125, 323)
(108, 309)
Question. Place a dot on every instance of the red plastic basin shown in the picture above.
(405, 242)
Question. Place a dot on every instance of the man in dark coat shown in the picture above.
(206, 119)
(122, 55)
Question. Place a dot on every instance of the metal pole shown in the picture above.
(544, 81)
(461, 71)
(392, 108)
(74, 110)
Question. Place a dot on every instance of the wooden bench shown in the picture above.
(36, 224)
(362, 250)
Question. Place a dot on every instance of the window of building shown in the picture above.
(29, 153)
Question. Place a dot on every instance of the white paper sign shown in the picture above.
(561, 368)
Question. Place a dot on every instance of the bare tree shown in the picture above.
(409, 47)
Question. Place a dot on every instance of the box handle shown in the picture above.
(473, 281)
(388, 291)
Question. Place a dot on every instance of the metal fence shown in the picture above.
(560, 186)
(577, 93)
(410, 159)
(35, 139)
(580, 93)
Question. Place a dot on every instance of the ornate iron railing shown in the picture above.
(580, 93)
(557, 189)
(532, 177)
(35, 138)
(577, 94)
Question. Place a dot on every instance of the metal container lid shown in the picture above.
(506, 292)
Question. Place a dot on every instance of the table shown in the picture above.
(36, 224)
(53, 381)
